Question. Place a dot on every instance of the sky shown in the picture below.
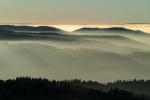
(69, 12)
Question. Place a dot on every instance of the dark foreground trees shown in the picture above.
(42, 89)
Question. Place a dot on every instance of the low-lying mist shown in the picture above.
(100, 57)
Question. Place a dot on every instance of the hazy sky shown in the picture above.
(74, 11)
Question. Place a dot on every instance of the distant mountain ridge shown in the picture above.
(49, 28)
(29, 28)
(28, 32)
(45, 32)
(112, 29)
(9, 32)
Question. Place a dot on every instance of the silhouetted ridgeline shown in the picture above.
(10, 32)
(43, 89)
(112, 29)
(29, 28)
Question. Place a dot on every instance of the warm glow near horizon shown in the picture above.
(141, 27)
(144, 28)
(70, 28)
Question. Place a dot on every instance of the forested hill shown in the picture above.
(43, 89)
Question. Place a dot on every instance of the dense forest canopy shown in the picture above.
(43, 89)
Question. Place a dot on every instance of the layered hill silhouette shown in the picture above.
(43, 32)
(30, 28)
(10, 32)
(43, 89)
(46, 32)
(108, 30)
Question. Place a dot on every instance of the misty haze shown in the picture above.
(100, 54)
(74, 50)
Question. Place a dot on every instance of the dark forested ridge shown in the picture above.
(29, 28)
(42, 89)
(110, 30)
(11, 32)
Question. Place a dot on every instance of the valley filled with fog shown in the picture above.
(100, 54)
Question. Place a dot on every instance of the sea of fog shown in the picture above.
(95, 57)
